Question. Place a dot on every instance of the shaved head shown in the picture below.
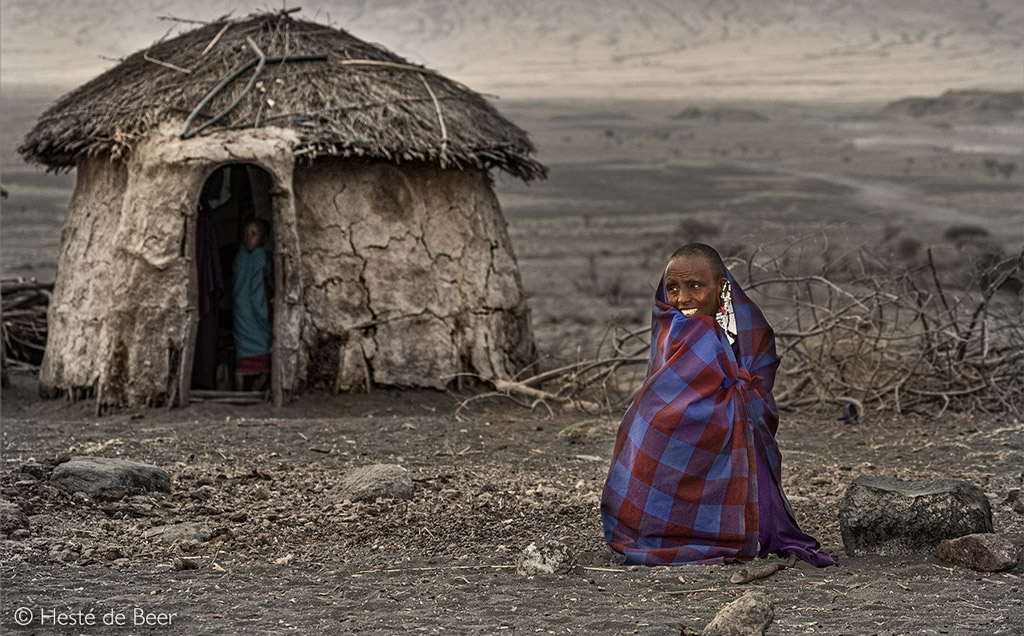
(708, 253)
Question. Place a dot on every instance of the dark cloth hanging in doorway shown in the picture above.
(210, 284)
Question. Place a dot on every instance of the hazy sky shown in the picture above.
(788, 49)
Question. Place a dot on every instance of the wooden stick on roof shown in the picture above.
(215, 39)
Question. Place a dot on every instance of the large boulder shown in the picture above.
(983, 552)
(881, 515)
(386, 481)
(749, 615)
(89, 474)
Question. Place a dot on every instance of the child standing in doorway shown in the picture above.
(252, 291)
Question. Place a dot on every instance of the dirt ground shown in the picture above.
(629, 182)
(489, 480)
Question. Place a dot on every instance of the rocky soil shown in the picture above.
(271, 551)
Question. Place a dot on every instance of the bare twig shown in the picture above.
(762, 571)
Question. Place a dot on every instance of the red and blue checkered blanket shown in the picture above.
(683, 483)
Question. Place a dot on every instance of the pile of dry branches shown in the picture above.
(24, 322)
(864, 334)
(887, 339)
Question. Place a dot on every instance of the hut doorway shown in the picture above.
(234, 281)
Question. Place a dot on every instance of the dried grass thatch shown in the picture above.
(343, 97)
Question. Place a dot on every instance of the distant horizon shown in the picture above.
(55, 91)
(849, 51)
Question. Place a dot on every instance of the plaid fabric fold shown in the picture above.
(682, 486)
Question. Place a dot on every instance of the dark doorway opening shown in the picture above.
(231, 335)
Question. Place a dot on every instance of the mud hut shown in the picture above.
(392, 264)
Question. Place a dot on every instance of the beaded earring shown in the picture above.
(724, 315)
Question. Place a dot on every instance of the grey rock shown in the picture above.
(386, 481)
(881, 515)
(33, 468)
(549, 557)
(186, 563)
(187, 531)
(89, 474)
(12, 518)
(986, 552)
(749, 615)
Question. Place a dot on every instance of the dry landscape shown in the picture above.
(810, 185)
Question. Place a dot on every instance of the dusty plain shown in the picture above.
(630, 180)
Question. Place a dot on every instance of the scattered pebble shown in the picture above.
(377, 481)
(984, 552)
(550, 557)
(189, 530)
(749, 615)
(12, 518)
(34, 469)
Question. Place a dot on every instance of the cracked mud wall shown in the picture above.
(81, 288)
(123, 312)
(410, 276)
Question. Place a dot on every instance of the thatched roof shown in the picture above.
(343, 97)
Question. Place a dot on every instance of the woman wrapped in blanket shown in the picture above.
(695, 475)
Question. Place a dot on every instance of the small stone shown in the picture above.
(68, 555)
(984, 552)
(550, 557)
(21, 533)
(185, 563)
(89, 474)
(881, 515)
(113, 554)
(385, 481)
(189, 530)
(238, 517)
(749, 615)
(1018, 507)
(12, 518)
(203, 493)
(34, 469)
(189, 546)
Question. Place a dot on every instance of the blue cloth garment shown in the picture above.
(253, 331)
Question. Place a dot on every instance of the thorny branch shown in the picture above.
(874, 336)
(24, 323)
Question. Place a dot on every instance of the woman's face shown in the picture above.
(691, 286)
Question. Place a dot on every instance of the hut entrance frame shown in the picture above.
(232, 195)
